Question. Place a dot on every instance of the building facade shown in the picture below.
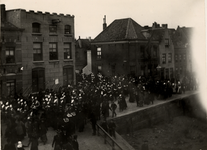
(46, 49)
(183, 52)
(122, 49)
(10, 56)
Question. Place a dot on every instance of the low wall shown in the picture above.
(160, 113)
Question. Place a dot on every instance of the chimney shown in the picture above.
(3, 12)
(79, 42)
(104, 22)
(164, 26)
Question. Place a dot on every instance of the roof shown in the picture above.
(83, 43)
(9, 26)
(121, 29)
(182, 37)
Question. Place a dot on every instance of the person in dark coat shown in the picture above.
(75, 143)
(112, 128)
(104, 125)
(57, 140)
(34, 142)
(93, 122)
(68, 145)
(20, 146)
(113, 108)
(43, 131)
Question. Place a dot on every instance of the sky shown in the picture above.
(89, 14)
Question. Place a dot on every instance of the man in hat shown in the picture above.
(57, 140)
(113, 108)
(93, 122)
(75, 143)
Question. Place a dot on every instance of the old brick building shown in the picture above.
(183, 52)
(123, 48)
(166, 49)
(44, 49)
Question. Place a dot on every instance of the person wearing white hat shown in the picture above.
(20, 146)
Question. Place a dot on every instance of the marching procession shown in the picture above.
(68, 109)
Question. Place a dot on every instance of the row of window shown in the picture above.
(180, 58)
(164, 58)
(180, 70)
(36, 28)
(142, 52)
(38, 52)
(53, 51)
(168, 73)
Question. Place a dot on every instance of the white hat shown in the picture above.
(19, 144)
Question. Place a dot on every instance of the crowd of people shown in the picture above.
(68, 109)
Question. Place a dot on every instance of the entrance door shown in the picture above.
(38, 79)
(67, 75)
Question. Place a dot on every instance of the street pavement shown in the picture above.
(87, 141)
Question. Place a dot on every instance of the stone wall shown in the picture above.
(159, 114)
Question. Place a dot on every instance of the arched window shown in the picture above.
(35, 27)
(67, 29)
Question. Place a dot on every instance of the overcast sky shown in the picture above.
(89, 14)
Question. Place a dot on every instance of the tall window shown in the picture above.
(164, 58)
(184, 57)
(154, 52)
(35, 27)
(53, 29)
(132, 70)
(170, 58)
(99, 68)
(167, 73)
(67, 75)
(180, 57)
(171, 73)
(98, 53)
(142, 48)
(37, 51)
(67, 51)
(38, 79)
(67, 29)
(176, 70)
(176, 58)
(181, 70)
(11, 87)
(53, 51)
(167, 42)
(113, 68)
(10, 55)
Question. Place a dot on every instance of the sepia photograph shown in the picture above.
(103, 75)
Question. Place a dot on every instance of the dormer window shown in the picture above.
(35, 27)
(67, 29)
